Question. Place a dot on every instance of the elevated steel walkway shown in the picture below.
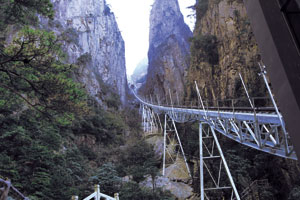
(259, 130)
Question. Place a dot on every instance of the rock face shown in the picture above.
(168, 50)
(94, 42)
(177, 170)
(180, 190)
(223, 46)
(158, 144)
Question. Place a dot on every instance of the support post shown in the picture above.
(225, 164)
(179, 141)
(214, 181)
(201, 162)
(97, 191)
(74, 197)
(6, 190)
(116, 196)
(165, 140)
(143, 116)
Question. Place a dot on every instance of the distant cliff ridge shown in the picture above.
(94, 42)
(139, 74)
(168, 50)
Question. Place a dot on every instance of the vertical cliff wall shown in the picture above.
(222, 47)
(168, 50)
(94, 42)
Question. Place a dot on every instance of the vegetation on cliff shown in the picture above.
(223, 46)
(55, 140)
(23, 12)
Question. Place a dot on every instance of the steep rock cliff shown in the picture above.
(222, 47)
(168, 50)
(94, 42)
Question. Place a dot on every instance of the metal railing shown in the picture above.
(7, 187)
(97, 195)
(260, 104)
(254, 127)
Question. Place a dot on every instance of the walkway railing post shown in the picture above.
(200, 98)
(246, 90)
(178, 103)
(158, 101)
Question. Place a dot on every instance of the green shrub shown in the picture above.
(201, 8)
(113, 101)
(139, 160)
(87, 152)
(204, 47)
(84, 59)
(108, 179)
(30, 157)
(70, 36)
(132, 191)
(295, 193)
(106, 126)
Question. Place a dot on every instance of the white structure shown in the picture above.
(97, 195)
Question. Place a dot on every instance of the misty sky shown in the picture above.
(133, 20)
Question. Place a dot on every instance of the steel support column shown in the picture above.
(214, 182)
(165, 145)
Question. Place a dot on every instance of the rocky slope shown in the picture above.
(223, 46)
(94, 42)
(168, 51)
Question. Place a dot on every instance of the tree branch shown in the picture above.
(25, 99)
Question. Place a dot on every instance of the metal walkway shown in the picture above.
(262, 131)
(261, 128)
(251, 126)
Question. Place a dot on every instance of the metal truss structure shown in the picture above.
(172, 145)
(252, 126)
(262, 131)
(211, 155)
(150, 120)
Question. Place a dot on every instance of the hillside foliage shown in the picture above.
(43, 112)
